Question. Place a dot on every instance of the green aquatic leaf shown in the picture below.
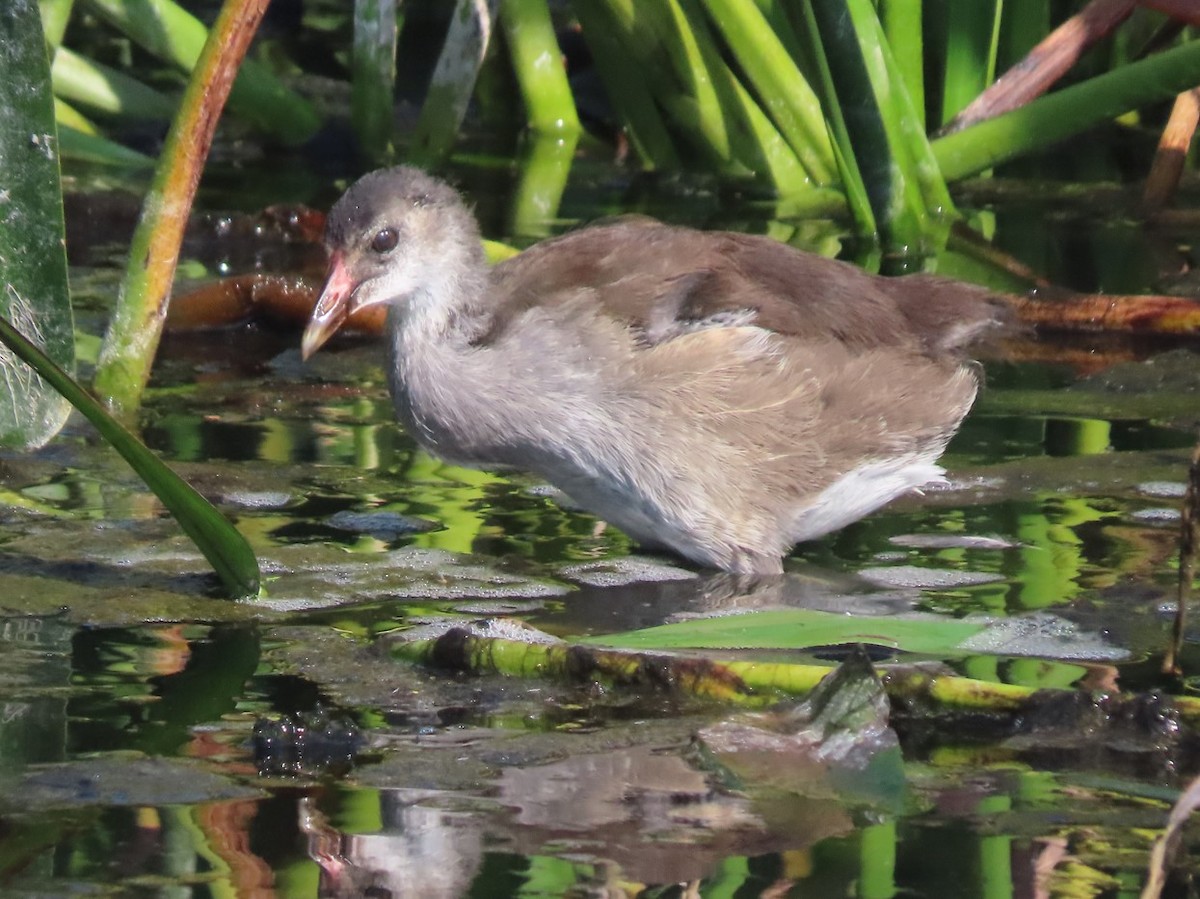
(800, 629)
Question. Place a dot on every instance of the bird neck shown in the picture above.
(449, 307)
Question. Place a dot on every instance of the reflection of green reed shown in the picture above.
(456, 497)
(1050, 561)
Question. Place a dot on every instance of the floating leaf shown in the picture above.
(799, 629)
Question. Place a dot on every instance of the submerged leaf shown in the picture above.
(838, 742)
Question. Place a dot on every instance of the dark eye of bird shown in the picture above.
(385, 240)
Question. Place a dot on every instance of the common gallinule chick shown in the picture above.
(720, 395)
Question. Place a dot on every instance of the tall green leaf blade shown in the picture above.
(902, 26)
(907, 192)
(33, 260)
(858, 201)
(226, 549)
(81, 146)
(453, 81)
(782, 89)
(625, 79)
(88, 83)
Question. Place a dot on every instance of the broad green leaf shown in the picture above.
(33, 260)
(927, 634)
(226, 549)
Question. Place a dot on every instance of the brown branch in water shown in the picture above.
(1189, 546)
(286, 300)
(1046, 63)
(1111, 313)
(1172, 152)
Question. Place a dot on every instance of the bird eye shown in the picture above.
(385, 240)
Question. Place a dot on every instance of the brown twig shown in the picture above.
(1172, 152)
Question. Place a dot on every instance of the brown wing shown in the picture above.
(665, 282)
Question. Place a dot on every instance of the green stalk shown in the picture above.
(67, 116)
(544, 166)
(782, 90)
(167, 31)
(858, 201)
(537, 61)
(767, 152)
(373, 75)
(625, 80)
(136, 325)
(908, 195)
(636, 30)
(1023, 25)
(776, 14)
(754, 140)
(55, 16)
(754, 684)
(1067, 112)
(221, 543)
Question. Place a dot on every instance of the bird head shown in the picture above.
(390, 238)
